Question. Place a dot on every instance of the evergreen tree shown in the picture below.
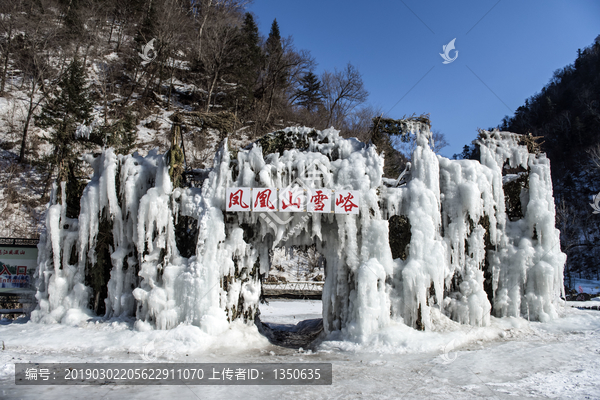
(276, 71)
(120, 135)
(273, 45)
(64, 112)
(469, 153)
(309, 95)
(73, 23)
(251, 39)
(248, 68)
(274, 54)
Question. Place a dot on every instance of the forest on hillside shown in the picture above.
(80, 75)
(200, 56)
(203, 56)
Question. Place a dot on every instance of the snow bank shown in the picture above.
(443, 244)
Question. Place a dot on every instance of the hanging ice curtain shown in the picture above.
(292, 199)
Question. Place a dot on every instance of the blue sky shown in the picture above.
(507, 51)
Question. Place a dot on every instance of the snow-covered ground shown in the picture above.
(512, 358)
(282, 311)
(594, 302)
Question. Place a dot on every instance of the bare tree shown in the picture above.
(220, 52)
(343, 91)
(438, 142)
(170, 33)
(9, 16)
(205, 10)
(282, 76)
(298, 63)
(33, 60)
(359, 123)
(594, 153)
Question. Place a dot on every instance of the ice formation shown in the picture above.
(471, 239)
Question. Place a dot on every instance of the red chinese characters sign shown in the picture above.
(238, 199)
(292, 199)
(320, 201)
(346, 201)
(264, 199)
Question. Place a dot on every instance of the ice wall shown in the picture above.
(471, 239)
(130, 199)
(528, 266)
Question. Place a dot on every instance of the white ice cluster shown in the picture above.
(460, 252)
